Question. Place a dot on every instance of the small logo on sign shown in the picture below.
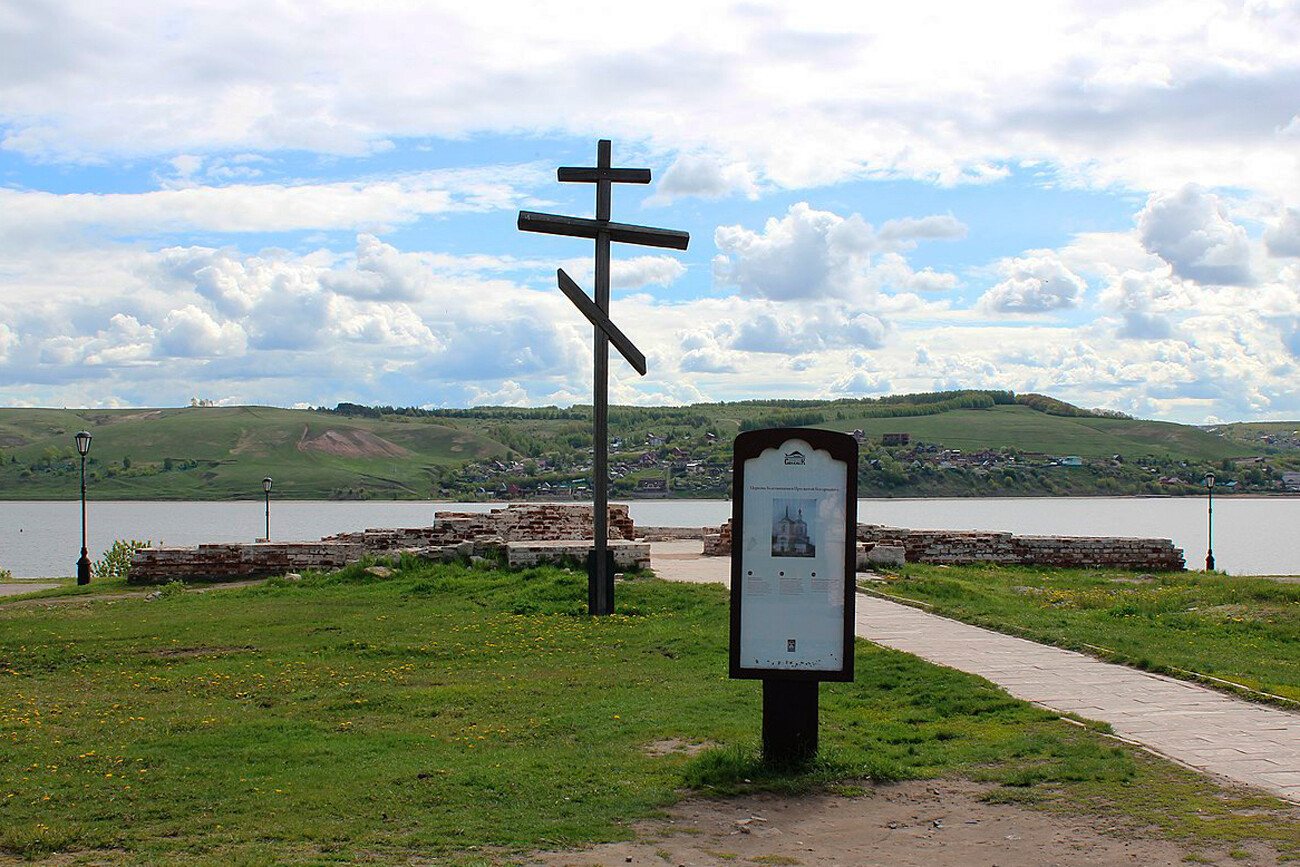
(789, 645)
(795, 457)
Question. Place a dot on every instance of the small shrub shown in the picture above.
(116, 562)
(172, 588)
(5, 574)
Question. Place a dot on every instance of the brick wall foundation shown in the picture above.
(453, 534)
(966, 547)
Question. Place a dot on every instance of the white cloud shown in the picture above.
(387, 202)
(819, 254)
(704, 176)
(1191, 230)
(806, 254)
(380, 273)
(8, 341)
(906, 232)
(1134, 94)
(892, 272)
(125, 341)
(1283, 239)
(707, 360)
(702, 353)
(860, 380)
(795, 329)
(1145, 300)
(189, 332)
(1038, 282)
(641, 271)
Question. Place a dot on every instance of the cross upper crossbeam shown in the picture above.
(603, 176)
(581, 227)
(617, 176)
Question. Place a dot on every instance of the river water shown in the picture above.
(1252, 536)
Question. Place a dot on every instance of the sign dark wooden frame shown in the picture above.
(841, 447)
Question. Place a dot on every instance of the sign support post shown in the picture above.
(789, 720)
(793, 564)
(600, 568)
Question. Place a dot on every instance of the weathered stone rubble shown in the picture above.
(955, 547)
(523, 534)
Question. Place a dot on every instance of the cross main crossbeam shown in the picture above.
(579, 227)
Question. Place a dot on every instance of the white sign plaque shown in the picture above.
(793, 554)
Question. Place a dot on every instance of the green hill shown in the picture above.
(1029, 430)
(351, 451)
(223, 452)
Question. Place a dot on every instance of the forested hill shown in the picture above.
(954, 443)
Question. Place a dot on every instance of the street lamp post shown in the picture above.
(83, 565)
(1209, 522)
(266, 489)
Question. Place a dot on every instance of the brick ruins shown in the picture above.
(954, 547)
(522, 534)
(528, 534)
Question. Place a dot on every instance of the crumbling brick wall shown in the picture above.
(488, 532)
(966, 547)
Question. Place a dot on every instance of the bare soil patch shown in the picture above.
(352, 444)
(676, 747)
(191, 652)
(912, 824)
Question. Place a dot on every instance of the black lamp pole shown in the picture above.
(83, 565)
(1209, 519)
(266, 488)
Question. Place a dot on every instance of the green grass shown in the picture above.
(1243, 630)
(449, 711)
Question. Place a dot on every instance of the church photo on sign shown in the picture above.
(791, 536)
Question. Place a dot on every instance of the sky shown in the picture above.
(303, 203)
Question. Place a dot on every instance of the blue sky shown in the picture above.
(301, 204)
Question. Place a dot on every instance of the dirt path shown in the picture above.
(141, 593)
(914, 824)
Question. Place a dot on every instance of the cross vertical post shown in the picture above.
(600, 572)
(601, 577)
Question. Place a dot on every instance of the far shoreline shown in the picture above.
(1218, 495)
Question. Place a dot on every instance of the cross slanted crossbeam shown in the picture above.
(600, 576)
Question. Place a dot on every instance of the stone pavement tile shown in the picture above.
(1262, 767)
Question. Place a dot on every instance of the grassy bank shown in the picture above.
(1242, 630)
(461, 715)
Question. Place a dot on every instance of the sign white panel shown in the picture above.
(792, 558)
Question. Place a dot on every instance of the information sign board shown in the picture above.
(793, 554)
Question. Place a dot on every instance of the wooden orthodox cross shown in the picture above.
(600, 571)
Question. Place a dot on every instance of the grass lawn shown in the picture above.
(1242, 630)
(461, 715)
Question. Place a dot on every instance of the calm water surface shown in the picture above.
(1254, 536)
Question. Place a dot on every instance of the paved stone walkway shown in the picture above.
(20, 588)
(1207, 730)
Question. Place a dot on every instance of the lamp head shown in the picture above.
(1209, 480)
(83, 442)
(266, 484)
